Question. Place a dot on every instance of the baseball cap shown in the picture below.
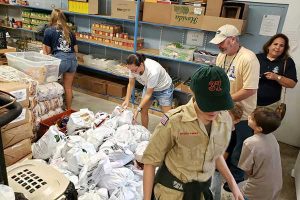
(211, 89)
(224, 32)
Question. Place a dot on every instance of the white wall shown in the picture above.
(289, 132)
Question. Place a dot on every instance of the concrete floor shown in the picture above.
(288, 153)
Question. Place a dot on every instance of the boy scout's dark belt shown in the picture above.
(192, 190)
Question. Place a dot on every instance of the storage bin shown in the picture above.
(47, 4)
(45, 124)
(178, 51)
(203, 58)
(42, 68)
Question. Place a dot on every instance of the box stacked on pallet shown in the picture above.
(49, 101)
(16, 136)
(46, 100)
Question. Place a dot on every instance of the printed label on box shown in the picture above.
(21, 116)
(20, 95)
(198, 11)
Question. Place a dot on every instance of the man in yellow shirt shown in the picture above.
(242, 68)
(190, 141)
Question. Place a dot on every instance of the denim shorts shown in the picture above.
(68, 62)
(164, 97)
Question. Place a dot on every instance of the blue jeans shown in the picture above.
(164, 97)
(243, 131)
(216, 185)
(68, 62)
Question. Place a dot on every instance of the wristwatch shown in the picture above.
(139, 109)
(279, 77)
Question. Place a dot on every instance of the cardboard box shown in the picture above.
(211, 23)
(187, 16)
(214, 7)
(124, 9)
(116, 90)
(28, 157)
(82, 81)
(46, 4)
(89, 7)
(19, 90)
(17, 134)
(231, 12)
(17, 152)
(90, 83)
(235, 10)
(151, 10)
(177, 15)
(97, 85)
(23, 118)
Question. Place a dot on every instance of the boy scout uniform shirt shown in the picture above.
(182, 142)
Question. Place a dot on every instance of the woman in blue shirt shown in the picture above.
(272, 74)
(61, 43)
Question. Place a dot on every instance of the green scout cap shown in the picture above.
(211, 89)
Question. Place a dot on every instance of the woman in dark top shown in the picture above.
(61, 43)
(272, 74)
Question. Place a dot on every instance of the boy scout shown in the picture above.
(190, 141)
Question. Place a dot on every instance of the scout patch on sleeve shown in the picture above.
(164, 120)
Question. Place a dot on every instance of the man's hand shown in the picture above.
(237, 194)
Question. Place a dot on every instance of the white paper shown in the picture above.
(293, 38)
(195, 38)
(20, 95)
(269, 25)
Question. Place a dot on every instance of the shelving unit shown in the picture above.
(157, 35)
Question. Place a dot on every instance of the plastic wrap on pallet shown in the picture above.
(10, 74)
(49, 91)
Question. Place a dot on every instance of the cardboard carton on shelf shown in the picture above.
(177, 15)
(125, 9)
(116, 90)
(87, 7)
(214, 8)
(235, 10)
(212, 23)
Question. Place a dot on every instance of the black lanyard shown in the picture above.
(224, 64)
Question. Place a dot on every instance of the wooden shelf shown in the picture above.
(9, 49)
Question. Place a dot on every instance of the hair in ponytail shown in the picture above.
(59, 20)
(136, 59)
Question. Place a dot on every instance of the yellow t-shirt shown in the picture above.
(243, 72)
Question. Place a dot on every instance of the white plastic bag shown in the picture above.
(98, 135)
(117, 178)
(100, 194)
(46, 146)
(6, 192)
(139, 152)
(118, 153)
(83, 119)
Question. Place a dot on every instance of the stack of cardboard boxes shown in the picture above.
(205, 15)
(99, 86)
(16, 136)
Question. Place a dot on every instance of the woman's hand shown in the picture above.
(135, 116)
(271, 75)
(125, 104)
